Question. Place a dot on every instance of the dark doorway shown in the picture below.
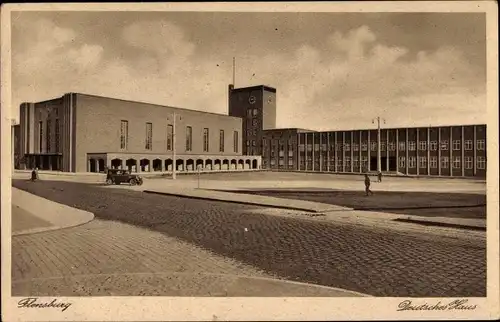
(56, 163)
(373, 164)
(102, 165)
(93, 167)
(393, 164)
(384, 163)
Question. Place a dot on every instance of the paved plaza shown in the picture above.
(258, 241)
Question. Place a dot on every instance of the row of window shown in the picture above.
(445, 162)
(252, 112)
(422, 146)
(170, 136)
(48, 136)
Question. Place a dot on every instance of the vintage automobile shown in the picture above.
(118, 176)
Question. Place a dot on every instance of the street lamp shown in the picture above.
(174, 165)
(379, 158)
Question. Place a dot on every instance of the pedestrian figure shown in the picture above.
(367, 185)
(379, 175)
(34, 174)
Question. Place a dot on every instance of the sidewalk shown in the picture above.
(185, 189)
(107, 258)
(33, 214)
(300, 205)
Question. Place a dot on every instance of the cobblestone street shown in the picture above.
(360, 259)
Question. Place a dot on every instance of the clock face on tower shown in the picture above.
(251, 99)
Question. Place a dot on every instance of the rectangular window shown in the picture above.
(347, 162)
(253, 143)
(422, 162)
(468, 145)
(422, 145)
(281, 162)
(221, 141)
(149, 136)
(48, 138)
(401, 146)
(355, 162)
(382, 146)
(411, 162)
(373, 146)
(355, 147)
(401, 162)
(392, 146)
(205, 140)
(254, 122)
(456, 145)
(189, 138)
(443, 145)
(124, 135)
(456, 162)
(255, 112)
(445, 162)
(468, 162)
(433, 145)
(480, 145)
(170, 136)
(40, 136)
(249, 113)
(347, 147)
(290, 162)
(57, 134)
(481, 163)
(316, 147)
(339, 163)
(235, 141)
(364, 162)
(301, 147)
(364, 146)
(433, 161)
(411, 146)
(290, 153)
(309, 147)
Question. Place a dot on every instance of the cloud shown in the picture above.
(342, 85)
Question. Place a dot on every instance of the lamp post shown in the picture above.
(379, 157)
(174, 165)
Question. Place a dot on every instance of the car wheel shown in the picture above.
(133, 182)
(109, 181)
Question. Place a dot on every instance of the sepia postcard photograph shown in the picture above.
(250, 161)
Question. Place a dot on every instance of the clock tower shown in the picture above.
(256, 106)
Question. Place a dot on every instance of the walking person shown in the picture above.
(379, 175)
(34, 174)
(367, 185)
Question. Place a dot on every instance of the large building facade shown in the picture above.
(86, 133)
(80, 132)
(458, 151)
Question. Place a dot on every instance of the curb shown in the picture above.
(440, 224)
(234, 201)
(58, 221)
(50, 228)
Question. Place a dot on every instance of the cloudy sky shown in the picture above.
(331, 70)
